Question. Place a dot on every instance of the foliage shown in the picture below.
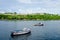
(36, 16)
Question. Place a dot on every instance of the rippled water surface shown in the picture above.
(50, 30)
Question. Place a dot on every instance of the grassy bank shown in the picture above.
(36, 16)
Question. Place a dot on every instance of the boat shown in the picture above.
(21, 36)
(39, 24)
(21, 32)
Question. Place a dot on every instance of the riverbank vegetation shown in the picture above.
(35, 16)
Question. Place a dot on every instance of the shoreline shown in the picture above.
(44, 16)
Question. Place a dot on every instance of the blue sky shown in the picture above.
(30, 6)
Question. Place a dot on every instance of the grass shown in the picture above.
(36, 16)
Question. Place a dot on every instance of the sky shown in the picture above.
(30, 6)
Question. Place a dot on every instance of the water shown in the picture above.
(50, 30)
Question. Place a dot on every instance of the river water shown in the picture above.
(50, 30)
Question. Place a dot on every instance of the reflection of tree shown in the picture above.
(21, 37)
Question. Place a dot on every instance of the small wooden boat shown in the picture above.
(21, 32)
(40, 24)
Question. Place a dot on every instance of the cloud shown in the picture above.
(31, 6)
(2, 12)
(32, 1)
(24, 1)
(38, 10)
(41, 3)
(38, 1)
(32, 10)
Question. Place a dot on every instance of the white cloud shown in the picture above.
(45, 3)
(2, 12)
(38, 1)
(36, 6)
(32, 10)
(24, 1)
(41, 6)
(38, 10)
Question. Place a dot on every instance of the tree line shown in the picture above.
(36, 16)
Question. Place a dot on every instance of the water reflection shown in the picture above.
(21, 37)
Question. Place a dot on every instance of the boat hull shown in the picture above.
(39, 25)
(12, 34)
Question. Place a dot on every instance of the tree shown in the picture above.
(15, 12)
